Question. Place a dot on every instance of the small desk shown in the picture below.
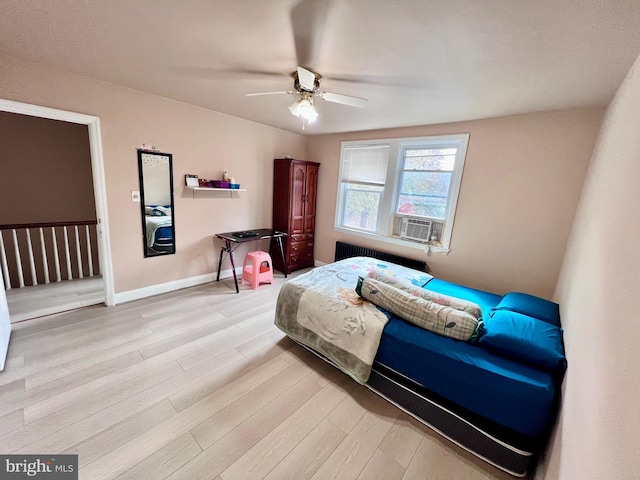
(231, 242)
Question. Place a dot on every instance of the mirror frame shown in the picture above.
(148, 252)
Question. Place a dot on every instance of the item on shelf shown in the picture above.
(219, 184)
(234, 186)
(226, 177)
(191, 180)
(202, 182)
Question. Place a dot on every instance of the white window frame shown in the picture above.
(340, 203)
(390, 195)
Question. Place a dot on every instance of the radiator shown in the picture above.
(347, 250)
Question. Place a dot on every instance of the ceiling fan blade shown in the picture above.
(268, 93)
(206, 73)
(306, 79)
(308, 19)
(344, 99)
(393, 81)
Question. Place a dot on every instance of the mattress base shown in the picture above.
(443, 421)
(451, 426)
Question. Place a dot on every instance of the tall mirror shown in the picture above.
(155, 170)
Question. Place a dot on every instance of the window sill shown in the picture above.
(425, 247)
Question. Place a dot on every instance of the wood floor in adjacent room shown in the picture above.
(39, 300)
(199, 384)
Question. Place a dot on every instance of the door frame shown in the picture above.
(99, 183)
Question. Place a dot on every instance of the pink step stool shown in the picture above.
(257, 269)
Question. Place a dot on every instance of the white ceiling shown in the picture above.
(416, 61)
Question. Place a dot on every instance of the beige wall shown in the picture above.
(520, 188)
(46, 171)
(598, 291)
(202, 142)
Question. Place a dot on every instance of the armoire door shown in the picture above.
(311, 188)
(298, 179)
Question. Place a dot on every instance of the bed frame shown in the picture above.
(492, 443)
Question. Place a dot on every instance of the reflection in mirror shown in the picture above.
(155, 170)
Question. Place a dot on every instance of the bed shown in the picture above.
(493, 404)
(159, 228)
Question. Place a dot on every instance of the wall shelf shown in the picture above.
(212, 189)
(218, 189)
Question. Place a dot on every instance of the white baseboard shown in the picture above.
(137, 294)
(318, 263)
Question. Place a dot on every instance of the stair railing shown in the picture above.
(33, 244)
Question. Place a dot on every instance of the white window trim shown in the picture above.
(390, 196)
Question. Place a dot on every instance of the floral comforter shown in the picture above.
(321, 310)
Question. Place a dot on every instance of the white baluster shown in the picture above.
(78, 254)
(32, 263)
(56, 255)
(66, 252)
(5, 268)
(89, 254)
(45, 263)
(16, 249)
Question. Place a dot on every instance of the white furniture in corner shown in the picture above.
(5, 325)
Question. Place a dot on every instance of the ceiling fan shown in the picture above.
(306, 85)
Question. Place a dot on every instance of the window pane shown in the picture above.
(422, 205)
(362, 204)
(365, 164)
(430, 159)
(424, 193)
(425, 183)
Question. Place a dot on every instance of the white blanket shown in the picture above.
(322, 310)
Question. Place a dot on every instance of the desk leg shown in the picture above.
(222, 250)
(233, 265)
(284, 265)
(227, 248)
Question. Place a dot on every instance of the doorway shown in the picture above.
(77, 293)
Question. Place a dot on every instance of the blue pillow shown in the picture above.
(525, 339)
(531, 306)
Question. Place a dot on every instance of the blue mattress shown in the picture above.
(164, 236)
(513, 395)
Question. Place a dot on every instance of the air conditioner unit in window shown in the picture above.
(415, 229)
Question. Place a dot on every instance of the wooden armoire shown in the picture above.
(295, 184)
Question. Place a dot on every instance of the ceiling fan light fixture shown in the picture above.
(306, 86)
(304, 109)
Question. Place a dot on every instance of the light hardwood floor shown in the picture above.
(39, 300)
(199, 384)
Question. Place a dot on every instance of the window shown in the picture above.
(384, 182)
(364, 172)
